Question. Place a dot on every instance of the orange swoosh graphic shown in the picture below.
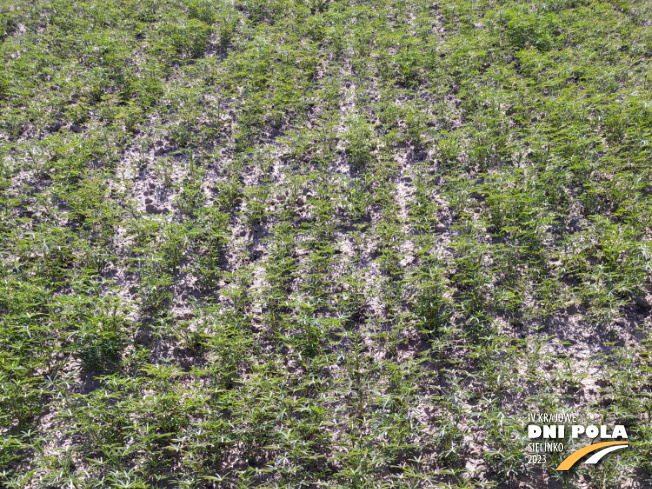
(575, 456)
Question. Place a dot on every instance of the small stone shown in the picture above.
(152, 209)
(54, 127)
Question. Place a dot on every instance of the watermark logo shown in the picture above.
(553, 436)
(604, 448)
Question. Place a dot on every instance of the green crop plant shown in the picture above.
(310, 243)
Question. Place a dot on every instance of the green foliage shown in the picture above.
(360, 143)
(320, 242)
(189, 39)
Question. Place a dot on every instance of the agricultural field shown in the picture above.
(323, 243)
